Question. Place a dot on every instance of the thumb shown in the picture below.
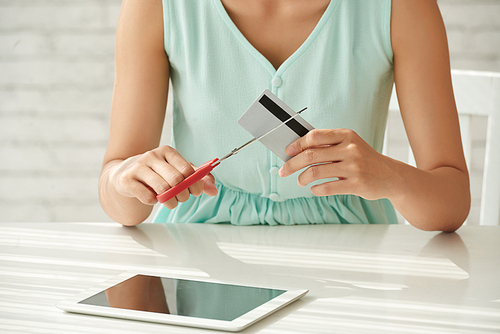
(209, 185)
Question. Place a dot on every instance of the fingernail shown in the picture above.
(281, 172)
(290, 150)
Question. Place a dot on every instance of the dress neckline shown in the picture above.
(258, 55)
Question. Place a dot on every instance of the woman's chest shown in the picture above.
(276, 28)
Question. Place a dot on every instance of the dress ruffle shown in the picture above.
(240, 208)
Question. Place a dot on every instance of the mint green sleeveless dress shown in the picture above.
(343, 73)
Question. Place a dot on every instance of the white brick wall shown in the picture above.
(474, 33)
(56, 77)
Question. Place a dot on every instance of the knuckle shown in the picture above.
(309, 155)
(315, 172)
(148, 155)
(176, 178)
(348, 133)
(323, 189)
(355, 151)
(139, 165)
(166, 149)
(331, 132)
(356, 170)
(164, 186)
(168, 152)
(358, 165)
(146, 159)
(313, 135)
(124, 179)
(186, 169)
(355, 166)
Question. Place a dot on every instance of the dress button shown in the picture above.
(274, 170)
(276, 81)
(274, 197)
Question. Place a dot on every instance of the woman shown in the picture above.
(339, 58)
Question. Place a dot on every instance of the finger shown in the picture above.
(183, 195)
(159, 185)
(173, 158)
(311, 156)
(320, 171)
(196, 189)
(138, 183)
(183, 167)
(171, 203)
(169, 176)
(317, 137)
(169, 173)
(152, 179)
(142, 192)
(339, 187)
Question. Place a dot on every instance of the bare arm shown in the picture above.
(433, 196)
(437, 194)
(135, 169)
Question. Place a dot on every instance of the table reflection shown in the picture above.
(141, 293)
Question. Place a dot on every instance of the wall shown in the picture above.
(473, 28)
(56, 77)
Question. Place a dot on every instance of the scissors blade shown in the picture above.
(236, 150)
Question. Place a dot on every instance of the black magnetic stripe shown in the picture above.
(283, 116)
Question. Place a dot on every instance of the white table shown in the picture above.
(362, 279)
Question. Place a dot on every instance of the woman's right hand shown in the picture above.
(146, 175)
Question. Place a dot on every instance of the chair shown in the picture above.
(477, 94)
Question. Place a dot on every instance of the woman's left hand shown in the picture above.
(342, 154)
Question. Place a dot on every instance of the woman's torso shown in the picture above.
(342, 72)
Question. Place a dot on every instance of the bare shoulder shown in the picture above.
(142, 11)
(141, 23)
(414, 10)
(419, 43)
(416, 24)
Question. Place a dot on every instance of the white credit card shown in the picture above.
(268, 112)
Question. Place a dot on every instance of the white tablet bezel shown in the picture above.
(73, 305)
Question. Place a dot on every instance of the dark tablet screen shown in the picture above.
(183, 297)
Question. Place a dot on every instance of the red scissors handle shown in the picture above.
(200, 173)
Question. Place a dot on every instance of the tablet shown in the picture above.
(177, 300)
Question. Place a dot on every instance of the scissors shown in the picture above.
(208, 166)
